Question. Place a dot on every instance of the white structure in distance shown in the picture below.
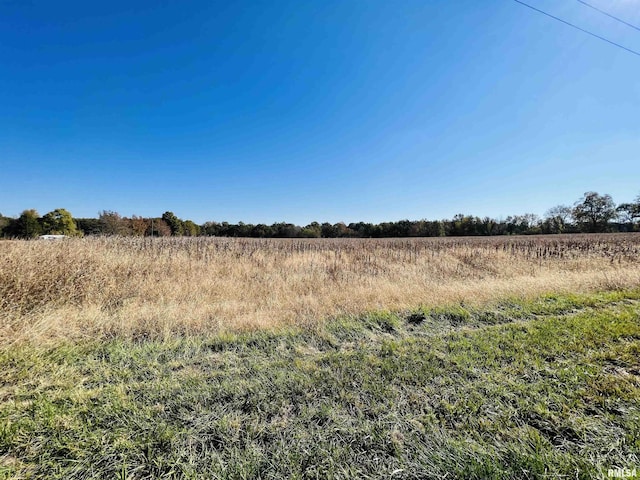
(52, 237)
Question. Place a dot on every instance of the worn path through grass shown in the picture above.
(526, 389)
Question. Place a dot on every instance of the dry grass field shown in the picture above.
(157, 288)
(505, 358)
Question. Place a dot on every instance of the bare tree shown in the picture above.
(594, 211)
(558, 218)
(630, 212)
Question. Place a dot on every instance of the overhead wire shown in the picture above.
(578, 28)
(608, 14)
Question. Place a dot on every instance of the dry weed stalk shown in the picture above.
(165, 286)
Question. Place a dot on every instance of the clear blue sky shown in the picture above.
(265, 111)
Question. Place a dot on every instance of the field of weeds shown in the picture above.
(470, 358)
(163, 287)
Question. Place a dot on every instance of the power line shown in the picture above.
(578, 28)
(608, 15)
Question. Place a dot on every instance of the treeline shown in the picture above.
(592, 213)
(60, 222)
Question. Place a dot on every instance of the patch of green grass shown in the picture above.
(543, 388)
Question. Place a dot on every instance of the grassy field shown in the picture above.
(500, 358)
(158, 288)
(548, 388)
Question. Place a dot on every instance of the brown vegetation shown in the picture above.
(144, 287)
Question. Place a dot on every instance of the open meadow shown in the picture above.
(155, 288)
(501, 357)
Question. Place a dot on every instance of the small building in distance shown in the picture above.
(52, 237)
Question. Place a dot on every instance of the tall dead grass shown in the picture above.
(143, 287)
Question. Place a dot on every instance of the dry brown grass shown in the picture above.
(156, 287)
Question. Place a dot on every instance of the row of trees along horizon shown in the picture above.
(592, 213)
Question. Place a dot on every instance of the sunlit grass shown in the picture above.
(545, 388)
(159, 288)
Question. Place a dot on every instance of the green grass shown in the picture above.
(548, 388)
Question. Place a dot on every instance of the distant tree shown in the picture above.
(386, 229)
(138, 226)
(242, 229)
(285, 230)
(175, 224)
(416, 229)
(89, 226)
(4, 222)
(488, 226)
(625, 212)
(261, 231)
(327, 230)
(190, 228)
(211, 229)
(435, 229)
(629, 214)
(526, 224)
(313, 230)
(342, 230)
(594, 211)
(403, 228)
(113, 223)
(59, 222)
(158, 228)
(360, 229)
(225, 229)
(27, 225)
(531, 224)
(558, 218)
(465, 225)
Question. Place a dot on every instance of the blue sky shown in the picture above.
(351, 110)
